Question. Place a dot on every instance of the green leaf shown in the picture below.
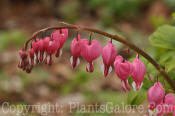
(167, 59)
(164, 37)
(131, 96)
(136, 97)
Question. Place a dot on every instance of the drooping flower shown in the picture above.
(76, 51)
(35, 46)
(138, 73)
(169, 99)
(123, 69)
(22, 61)
(155, 95)
(60, 38)
(51, 49)
(108, 54)
(45, 44)
(31, 58)
(41, 50)
(90, 51)
(168, 104)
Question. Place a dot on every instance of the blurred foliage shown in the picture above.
(120, 8)
(15, 38)
(109, 10)
(70, 15)
(163, 37)
(171, 4)
(157, 21)
(173, 19)
(136, 97)
(80, 78)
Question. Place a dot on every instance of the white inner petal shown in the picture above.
(60, 52)
(30, 62)
(20, 61)
(71, 60)
(48, 59)
(44, 56)
(134, 86)
(153, 112)
(88, 67)
(123, 85)
(35, 59)
(141, 85)
(110, 69)
(39, 56)
(78, 62)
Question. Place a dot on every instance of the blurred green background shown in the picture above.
(146, 23)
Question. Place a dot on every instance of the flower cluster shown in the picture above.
(42, 50)
(159, 103)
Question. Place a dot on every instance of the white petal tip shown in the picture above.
(44, 56)
(71, 60)
(135, 87)
(124, 86)
(88, 67)
(61, 52)
(78, 62)
(110, 69)
(48, 59)
(35, 59)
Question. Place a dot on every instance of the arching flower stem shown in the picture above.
(114, 37)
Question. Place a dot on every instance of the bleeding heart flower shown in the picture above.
(123, 69)
(45, 44)
(90, 51)
(51, 49)
(31, 58)
(60, 38)
(169, 99)
(138, 73)
(35, 46)
(108, 54)
(167, 105)
(76, 51)
(41, 50)
(155, 95)
(22, 60)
